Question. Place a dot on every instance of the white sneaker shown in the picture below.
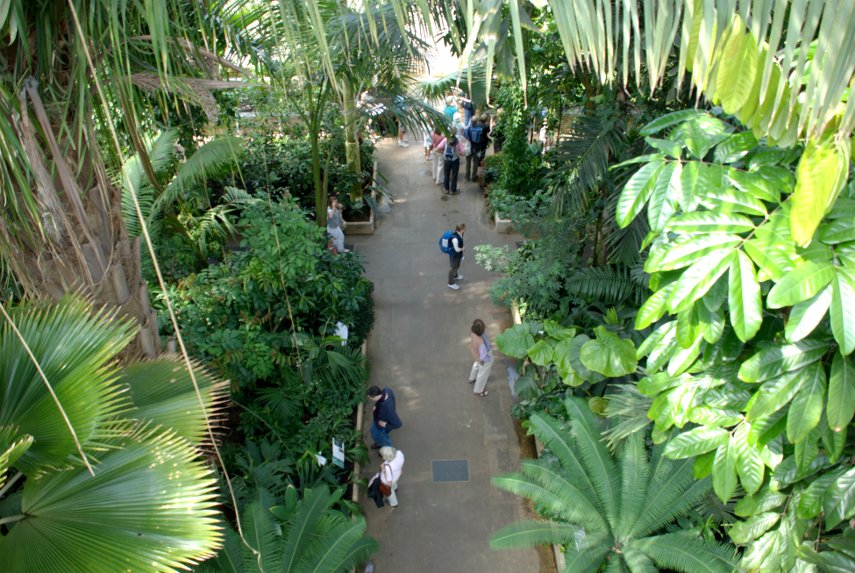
(459, 277)
(454, 286)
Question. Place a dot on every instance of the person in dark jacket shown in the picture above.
(385, 416)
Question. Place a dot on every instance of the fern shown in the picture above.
(610, 285)
(134, 179)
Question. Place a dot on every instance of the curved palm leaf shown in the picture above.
(687, 553)
(162, 392)
(642, 497)
(133, 514)
(528, 533)
(74, 349)
(134, 179)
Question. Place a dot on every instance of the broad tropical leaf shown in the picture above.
(842, 311)
(841, 393)
(150, 523)
(804, 282)
(821, 175)
(805, 411)
(746, 311)
(609, 354)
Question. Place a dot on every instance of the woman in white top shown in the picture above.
(335, 222)
(482, 352)
(390, 471)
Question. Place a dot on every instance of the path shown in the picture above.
(419, 348)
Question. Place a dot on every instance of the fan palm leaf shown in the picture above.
(146, 501)
(74, 350)
(131, 515)
(163, 393)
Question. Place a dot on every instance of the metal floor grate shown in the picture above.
(450, 470)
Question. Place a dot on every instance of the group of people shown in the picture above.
(384, 485)
(466, 136)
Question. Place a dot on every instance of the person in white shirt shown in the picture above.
(390, 471)
(482, 352)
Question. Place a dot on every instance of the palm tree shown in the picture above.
(111, 455)
(71, 109)
(609, 510)
(305, 535)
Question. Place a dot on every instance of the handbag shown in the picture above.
(467, 148)
(385, 489)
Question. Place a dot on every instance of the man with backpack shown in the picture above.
(451, 166)
(451, 242)
(475, 133)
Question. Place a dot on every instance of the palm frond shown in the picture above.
(581, 159)
(213, 159)
(259, 531)
(626, 413)
(299, 529)
(560, 443)
(611, 285)
(576, 507)
(597, 459)
(555, 504)
(162, 392)
(624, 245)
(74, 348)
(588, 556)
(635, 477)
(687, 553)
(70, 513)
(135, 181)
(637, 561)
(530, 533)
(673, 490)
(344, 545)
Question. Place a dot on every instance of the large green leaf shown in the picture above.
(776, 393)
(736, 70)
(704, 222)
(609, 354)
(663, 197)
(515, 341)
(806, 408)
(699, 278)
(746, 311)
(700, 134)
(803, 282)
(744, 532)
(749, 467)
(839, 503)
(841, 393)
(772, 248)
(806, 315)
(636, 192)
(724, 471)
(162, 392)
(777, 360)
(74, 349)
(541, 353)
(669, 120)
(735, 147)
(133, 514)
(820, 176)
(695, 442)
(689, 250)
(842, 311)
(755, 184)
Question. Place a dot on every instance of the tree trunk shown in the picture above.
(351, 141)
(83, 246)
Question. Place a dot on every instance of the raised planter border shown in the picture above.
(560, 562)
(503, 226)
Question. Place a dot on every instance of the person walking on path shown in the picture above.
(475, 134)
(335, 222)
(451, 167)
(437, 147)
(482, 352)
(455, 255)
(385, 416)
(390, 471)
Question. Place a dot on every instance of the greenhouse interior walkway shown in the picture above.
(454, 441)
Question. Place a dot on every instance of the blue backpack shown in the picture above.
(475, 133)
(445, 241)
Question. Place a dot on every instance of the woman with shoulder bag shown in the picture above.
(390, 473)
(482, 352)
